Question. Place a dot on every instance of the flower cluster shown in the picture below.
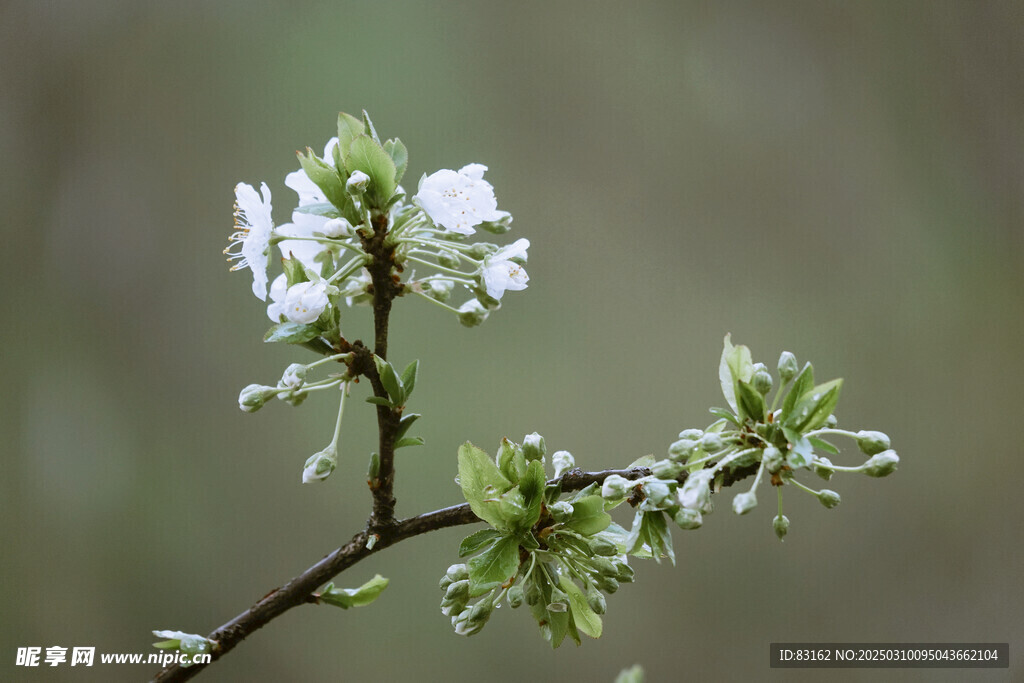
(561, 554)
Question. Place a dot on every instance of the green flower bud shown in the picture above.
(831, 421)
(683, 448)
(602, 546)
(562, 462)
(500, 226)
(515, 596)
(559, 600)
(711, 443)
(781, 525)
(458, 591)
(823, 468)
(337, 227)
(615, 488)
(448, 258)
(695, 494)
(293, 398)
(762, 382)
(294, 376)
(608, 584)
(657, 496)
(533, 447)
(604, 566)
(252, 398)
(744, 502)
(667, 469)
(691, 434)
(444, 582)
(357, 183)
(439, 290)
(688, 519)
(882, 464)
(561, 511)
(457, 572)
(872, 443)
(482, 250)
(624, 573)
(828, 498)
(472, 313)
(772, 459)
(596, 601)
(450, 606)
(320, 465)
(787, 366)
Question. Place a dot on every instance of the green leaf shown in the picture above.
(354, 597)
(366, 155)
(477, 540)
(496, 564)
(558, 622)
(369, 127)
(735, 365)
(400, 155)
(326, 178)
(348, 128)
(531, 485)
(292, 333)
(725, 415)
(390, 380)
(406, 422)
(751, 402)
(325, 209)
(823, 445)
(801, 384)
(588, 516)
(409, 377)
(409, 441)
(480, 480)
(379, 401)
(294, 271)
(511, 460)
(586, 619)
(801, 452)
(813, 409)
(642, 461)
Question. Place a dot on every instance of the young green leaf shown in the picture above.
(326, 178)
(403, 426)
(292, 333)
(801, 384)
(751, 402)
(823, 445)
(588, 516)
(400, 155)
(409, 441)
(379, 401)
(531, 485)
(409, 377)
(392, 384)
(480, 480)
(354, 597)
(366, 155)
(348, 128)
(325, 209)
(584, 617)
(496, 564)
(813, 409)
(477, 540)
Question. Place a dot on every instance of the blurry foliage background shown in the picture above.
(843, 180)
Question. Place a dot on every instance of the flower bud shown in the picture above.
(189, 643)
(448, 258)
(667, 469)
(772, 459)
(444, 582)
(562, 462)
(762, 382)
(533, 447)
(688, 519)
(320, 465)
(683, 448)
(608, 584)
(692, 434)
(781, 525)
(602, 546)
(439, 290)
(623, 572)
(695, 494)
(657, 496)
(293, 377)
(823, 468)
(560, 511)
(337, 227)
(252, 398)
(457, 572)
(787, 366)
(828, 498)
(615, 488)
(882, 464)
(596, 601)
(515, 596)
(472, 313)
(744, 502)
(357, 183)
(711, 443)
(482, 250)
(458, 591)
(831, 421)
(872, 443)
(559, 600)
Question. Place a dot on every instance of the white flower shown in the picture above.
(305, 301)
(458, 201)
(278, 291)
(500, 273)
(253, 227)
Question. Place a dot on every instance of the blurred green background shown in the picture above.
(842, 180)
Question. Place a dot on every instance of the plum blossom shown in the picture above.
(458, 201)
(501, 273)
(278, 291)
(305, 301)
(253, 228)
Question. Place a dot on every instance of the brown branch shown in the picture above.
(299, 590)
